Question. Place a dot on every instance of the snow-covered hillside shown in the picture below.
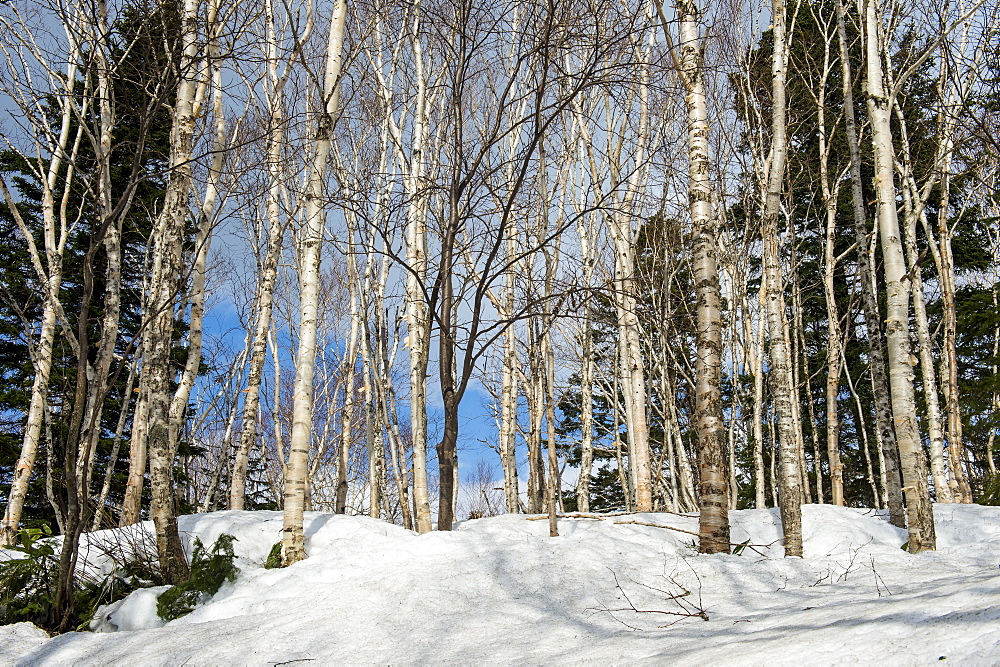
(499, 590)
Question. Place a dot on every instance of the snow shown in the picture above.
(19, 638)
(135, 612)
(499, 590)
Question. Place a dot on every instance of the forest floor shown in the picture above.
(499, 590)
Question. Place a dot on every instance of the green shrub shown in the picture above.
(209, 570)
(273, 561)
(28, 584)
(131, 554)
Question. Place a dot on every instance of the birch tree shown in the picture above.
(780, 372)
(310, 243)
(277, 74)
(47, 260)
(713, 482)
(920, 518)
(873, 321)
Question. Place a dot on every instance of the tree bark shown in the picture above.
(919, 513)
(960, 488)
(49, 275)
(830, 260)
(157, 371)
(789, 477)
(873, 321)
(928, 377)
(309, 248)
(267, 272)
(417, 315)
(713, 496)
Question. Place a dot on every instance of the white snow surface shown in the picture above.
(499, 590)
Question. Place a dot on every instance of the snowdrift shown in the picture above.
(499, 590)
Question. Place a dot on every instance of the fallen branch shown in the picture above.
(579, 515)
(600, 516)
(657, 525)
(879, 581)
(743, 545)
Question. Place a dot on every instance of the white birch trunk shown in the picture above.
(713, 488)
(211, 76)
(164, 287)
(49, 273)
(757, 367)
(888, 454)
(417, 315)
(935, 432)
(960, 489)
(789, 478)
(309, 255)
(830, 260)
(912, 460)
(268, 272)
(586, 413)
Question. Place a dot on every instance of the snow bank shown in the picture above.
(612, 590)
(135, 612)
(18, 639)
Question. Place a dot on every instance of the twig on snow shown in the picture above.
(687, 608)
(879, 581)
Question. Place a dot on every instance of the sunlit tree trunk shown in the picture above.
(553, 484)
(510, 372)
(913, 463)
(713, 475)
(830, 260)
(157, 374)
(757, 368)
(211, 74)
(889, 454)
(47, 264)
(550, 254)
(789, 476)
(309, 248)
(268, 270)
(631, 365)
(913, 207)
(960, 489)
(508, 405)
(585, 232)
(535, 397)
(42, 363)
(417, 315)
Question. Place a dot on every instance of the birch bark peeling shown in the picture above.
(157, 373)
